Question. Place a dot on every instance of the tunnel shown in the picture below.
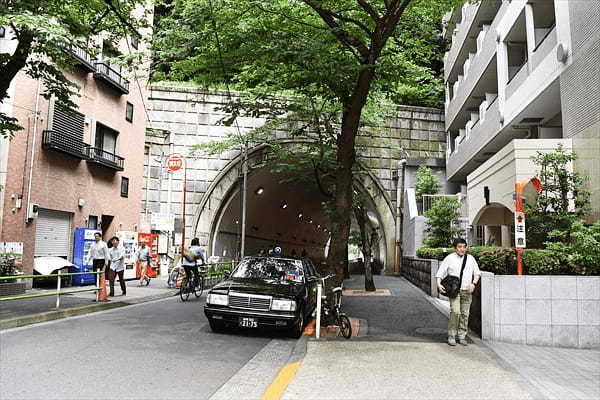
(281, 211)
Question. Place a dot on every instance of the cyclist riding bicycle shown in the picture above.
(190, 258)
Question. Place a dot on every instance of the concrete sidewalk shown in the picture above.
(17, 313)
(404, 355)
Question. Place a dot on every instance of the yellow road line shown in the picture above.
(281, 382)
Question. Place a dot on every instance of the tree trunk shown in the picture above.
(361, 219)
(16, 62)
(346, 156)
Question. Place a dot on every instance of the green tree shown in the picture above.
(427, 182)
(442, 218)
(563, 200)
(345, 53)
(44, 29)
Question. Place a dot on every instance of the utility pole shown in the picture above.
(244, 197)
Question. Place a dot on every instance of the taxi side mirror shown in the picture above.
(226, 273)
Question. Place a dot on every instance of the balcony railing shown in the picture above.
(112, 77)
(104, 158)
(65, 144)
(83, 57)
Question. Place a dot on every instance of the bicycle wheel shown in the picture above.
(200, 288)
(345, 327)
(184, 290)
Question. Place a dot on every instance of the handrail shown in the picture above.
(58, 292)
(46, 276)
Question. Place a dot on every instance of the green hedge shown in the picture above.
(503, 260)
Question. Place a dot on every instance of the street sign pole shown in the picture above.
(520, 232)
(174, 163)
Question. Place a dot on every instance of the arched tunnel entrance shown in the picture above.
(281, 213)
(288, 215)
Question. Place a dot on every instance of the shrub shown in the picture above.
(542, 262)
(433, 253)
(559, 259)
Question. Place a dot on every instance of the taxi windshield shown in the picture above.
(271, 269)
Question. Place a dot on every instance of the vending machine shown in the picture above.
(151, 240)
(129, 241)
(84, 237)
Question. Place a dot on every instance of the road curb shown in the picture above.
(76, 311)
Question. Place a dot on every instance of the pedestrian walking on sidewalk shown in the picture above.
(117, 255)
(98, 255)
(145, 258)
(464, 267)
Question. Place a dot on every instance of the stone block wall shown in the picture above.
(561, 311)
(421, 273)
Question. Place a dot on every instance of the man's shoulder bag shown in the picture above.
(452, 283)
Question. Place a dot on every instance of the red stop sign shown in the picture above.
(174, 162)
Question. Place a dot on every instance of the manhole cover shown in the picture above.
(431, 331)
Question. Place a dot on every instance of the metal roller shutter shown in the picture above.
(52, 234)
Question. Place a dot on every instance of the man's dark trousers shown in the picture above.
(113, 275)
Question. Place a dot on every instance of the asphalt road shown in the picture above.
(156, 350)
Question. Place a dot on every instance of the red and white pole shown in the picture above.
(183, 215)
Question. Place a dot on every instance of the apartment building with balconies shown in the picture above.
(521, 77)
(70, 168)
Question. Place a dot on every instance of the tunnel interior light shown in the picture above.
(299, 215)
(260, 191)
(237, 222)
(284, 205)
(310, 222)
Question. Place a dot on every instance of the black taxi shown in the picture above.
(264, 292)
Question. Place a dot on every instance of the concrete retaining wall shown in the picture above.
(561, 311)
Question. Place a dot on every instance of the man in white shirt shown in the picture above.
(98, 255)
(458, 322)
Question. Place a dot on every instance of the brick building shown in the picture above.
(73, 168)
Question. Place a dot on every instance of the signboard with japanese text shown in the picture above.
(162, 221)
(520, 240)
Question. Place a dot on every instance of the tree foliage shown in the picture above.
(344, 54)
(442, 218)
(563, 201)
(427, 182)
(43, 30)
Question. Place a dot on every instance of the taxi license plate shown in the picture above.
(248, 322)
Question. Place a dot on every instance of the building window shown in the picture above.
(135, 42)
(106, 138)
(124, 187)
(129, 112)
(92, 222)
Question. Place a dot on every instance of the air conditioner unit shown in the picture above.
(33, 210)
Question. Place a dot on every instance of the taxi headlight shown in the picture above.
(283, 305)
(217, 299)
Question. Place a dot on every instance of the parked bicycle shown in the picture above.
(190, 286)
(334, 310)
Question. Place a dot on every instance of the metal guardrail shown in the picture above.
(104, 70)
(64, 143)
(58, 292)
(105, 158)
(211, 276)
